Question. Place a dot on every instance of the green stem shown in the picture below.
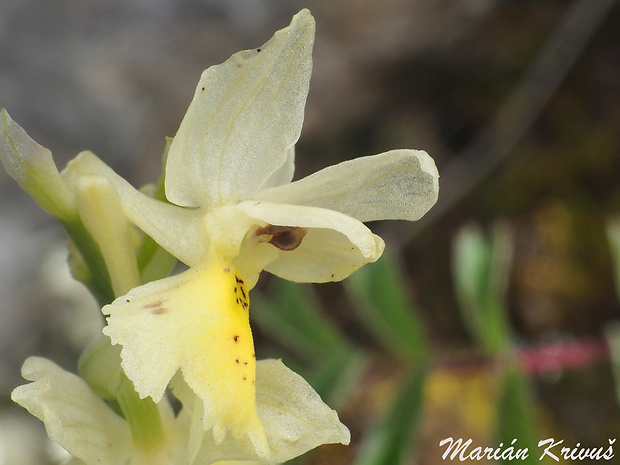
(98, 280)
(142, 415)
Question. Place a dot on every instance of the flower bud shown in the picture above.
(32, 166)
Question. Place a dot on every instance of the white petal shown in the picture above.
(284, 175)
(176, 229)
(293, 414)
(334, 247)
(245, 115)
(74, 417)
(400, 184)
(100, 209)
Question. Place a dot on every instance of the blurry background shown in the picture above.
(503, 294)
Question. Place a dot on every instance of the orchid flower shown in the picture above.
(233, 212)
(91, 431)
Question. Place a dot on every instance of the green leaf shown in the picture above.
(612, 333)
(480, 268)
(613, 237)
(291, 316)
(393, 440)
(87, 263)
(333, 377)
(516, 418)
(379, 292)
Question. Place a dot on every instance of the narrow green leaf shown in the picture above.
(480, 268)
(88, 265)
(291, 315)
(393, 441)
(379, 291)
(334, 376)
(612, 333)
(613, 237)
(516, 418)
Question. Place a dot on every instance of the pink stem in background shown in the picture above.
(562, 355)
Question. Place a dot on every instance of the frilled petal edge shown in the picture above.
(196, 322)
(334, 246)
(293, 415)
(395, 185)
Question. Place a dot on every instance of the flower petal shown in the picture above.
(100, 209)
(198, 322)
(334, 246)
(73, 415)
(245, 115)
(293, 415)
(284, 175)
(176, 229)
(400, 184)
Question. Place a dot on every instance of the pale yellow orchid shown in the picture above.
(233, 213)
(91, 431)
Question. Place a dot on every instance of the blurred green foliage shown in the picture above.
(337, 364)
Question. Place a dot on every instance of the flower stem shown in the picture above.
(142, 416)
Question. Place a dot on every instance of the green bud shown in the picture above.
(100, 366)
(32, 166)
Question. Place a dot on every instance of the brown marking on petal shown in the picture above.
(226, 270)
(238, 279)
(156, 307)
(236, 338)
(237, 360)
(283, 237)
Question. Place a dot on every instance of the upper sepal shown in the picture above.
(245, 116)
